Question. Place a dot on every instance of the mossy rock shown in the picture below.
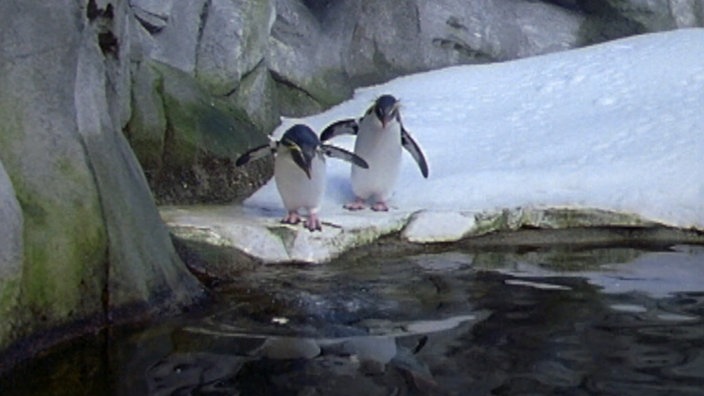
(64, 239)
(192, 159)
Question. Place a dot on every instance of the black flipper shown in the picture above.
(412, 147)
(342, 127)
(336, 152)
(256, 153)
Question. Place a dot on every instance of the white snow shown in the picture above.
(617, 126)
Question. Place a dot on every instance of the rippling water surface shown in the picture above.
(615, 321)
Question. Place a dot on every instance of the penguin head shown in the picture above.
(303, 144)
(386, 109)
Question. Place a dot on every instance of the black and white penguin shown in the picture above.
(380, 137)
(299, 171)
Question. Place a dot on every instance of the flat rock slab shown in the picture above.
(259, 234)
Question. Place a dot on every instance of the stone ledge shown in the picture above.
(259, 236)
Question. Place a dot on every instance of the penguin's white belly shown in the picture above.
(296, 189)
(382, 151)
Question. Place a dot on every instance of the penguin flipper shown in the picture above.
(339, 153)
(412, 147)
(342, 127)
(256, 153)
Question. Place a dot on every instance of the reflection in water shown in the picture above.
(608, 322)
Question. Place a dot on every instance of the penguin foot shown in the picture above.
(291, 218)
(358, 204)
(313, 223)
(380, 207)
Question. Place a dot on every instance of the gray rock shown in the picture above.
(177, 42)
(240, 238)
(257, 96)
(159, 8)
(11, 253)
(203, 139)
(319, 48)
(144, 274)
(10, 229)
(612, 19)
(147, 128)
(65, 241)
(152, 14)
(93, 242)
(305, 62)
(687, 13)
(420, 35)
(233, 42)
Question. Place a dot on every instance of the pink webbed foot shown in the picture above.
(313, 223)
(357, 204)
(291, 218)
(380, 207)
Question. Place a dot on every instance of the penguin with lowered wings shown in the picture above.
(299, 171)
(380, 137)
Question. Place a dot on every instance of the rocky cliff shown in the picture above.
(97, 94)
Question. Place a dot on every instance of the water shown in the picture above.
(617, 321)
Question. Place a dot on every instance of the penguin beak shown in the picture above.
(302, 157)
(389, 116)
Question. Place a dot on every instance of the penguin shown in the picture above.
(299, 171)
(380, 137)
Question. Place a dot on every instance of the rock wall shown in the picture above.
(82, 242)
(191, 85)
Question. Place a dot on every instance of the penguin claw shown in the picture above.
(358, 204)
(313, 224)
(291, 218)
(380, 207)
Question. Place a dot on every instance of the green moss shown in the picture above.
(486, 223)
(197, 123)
(9, 289)
(294, 102)
(330, 87)
(147, 126)
(64, 243)
(10, 123)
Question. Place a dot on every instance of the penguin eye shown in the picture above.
(379, 114)
(291, 145)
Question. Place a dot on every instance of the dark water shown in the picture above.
(561, 322)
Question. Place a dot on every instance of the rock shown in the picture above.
(257, 96)
(176, 43)
(611, 19)
(147, 129)
(144, 276)
(152, 14)
(653, 16)
(11, 254)
(687, 13)
(202, 139)
(261, 238)
(93, 245)
(232, 43)
(379, 42)
(245, 235)
(65, 242)
(305, 62)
